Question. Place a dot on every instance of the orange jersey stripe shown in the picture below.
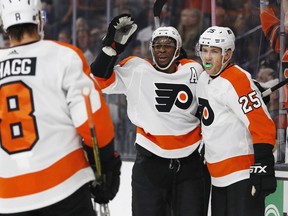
(103, 126)
(50, 177)
(170, 142)
(103, 82)
(230, 165)
(185, 61)
(261, 127)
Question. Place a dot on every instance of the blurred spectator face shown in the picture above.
(64, 37)
(81, 23)
(220, 16)
(189, 17)
(83, 40)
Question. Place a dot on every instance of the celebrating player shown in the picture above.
(238, 132)
(43, 168)
(161, 104)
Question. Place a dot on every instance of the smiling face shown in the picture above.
(163, 49)
(213, 60)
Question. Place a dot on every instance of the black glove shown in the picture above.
(262, 89)
(105, 192)
(120, 32)
(262, 173)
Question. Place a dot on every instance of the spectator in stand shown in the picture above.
(81, 23)
(83, 42)
(204, 6)
(91, 10)
(65, 36)
(190, 27)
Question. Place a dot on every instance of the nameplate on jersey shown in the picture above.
(17, 67)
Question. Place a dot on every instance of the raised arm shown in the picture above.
(119, 34)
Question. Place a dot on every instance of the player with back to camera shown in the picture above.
(161, 102)
(43, 120)
(237, 130)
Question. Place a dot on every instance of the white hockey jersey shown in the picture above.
(41, 155)
(162, 106)
(234, 117)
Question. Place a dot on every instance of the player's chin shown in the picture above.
(163, 64)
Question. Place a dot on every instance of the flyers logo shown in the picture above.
(206, 112)
(170, 94)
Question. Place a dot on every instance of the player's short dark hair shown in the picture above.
(17, 31)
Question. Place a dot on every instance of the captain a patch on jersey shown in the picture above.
(169, 94)
(18, 67)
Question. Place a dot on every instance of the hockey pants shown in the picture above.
(169, 187)
(236, 200)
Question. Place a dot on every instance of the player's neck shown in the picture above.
(26, 39)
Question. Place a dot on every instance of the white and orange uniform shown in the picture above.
(234, 117)
(42, 113)
(162, 106)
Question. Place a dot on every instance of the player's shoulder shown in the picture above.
(237, 78)
(64, 48)
(234, 73)
(189, 63)
(134, 60)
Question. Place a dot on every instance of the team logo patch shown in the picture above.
(206, 112)
(170, 94)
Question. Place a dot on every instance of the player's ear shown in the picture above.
(228, 55)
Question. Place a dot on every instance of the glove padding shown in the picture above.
(106, 192)
(262, 173)
(120, 31)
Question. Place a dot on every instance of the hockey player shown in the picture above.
(237, 130)
(43, 168)
(161, 104)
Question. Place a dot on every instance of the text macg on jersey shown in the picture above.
(17, 67)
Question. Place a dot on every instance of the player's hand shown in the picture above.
(120, 32)
(106, 192)
(262, 173)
